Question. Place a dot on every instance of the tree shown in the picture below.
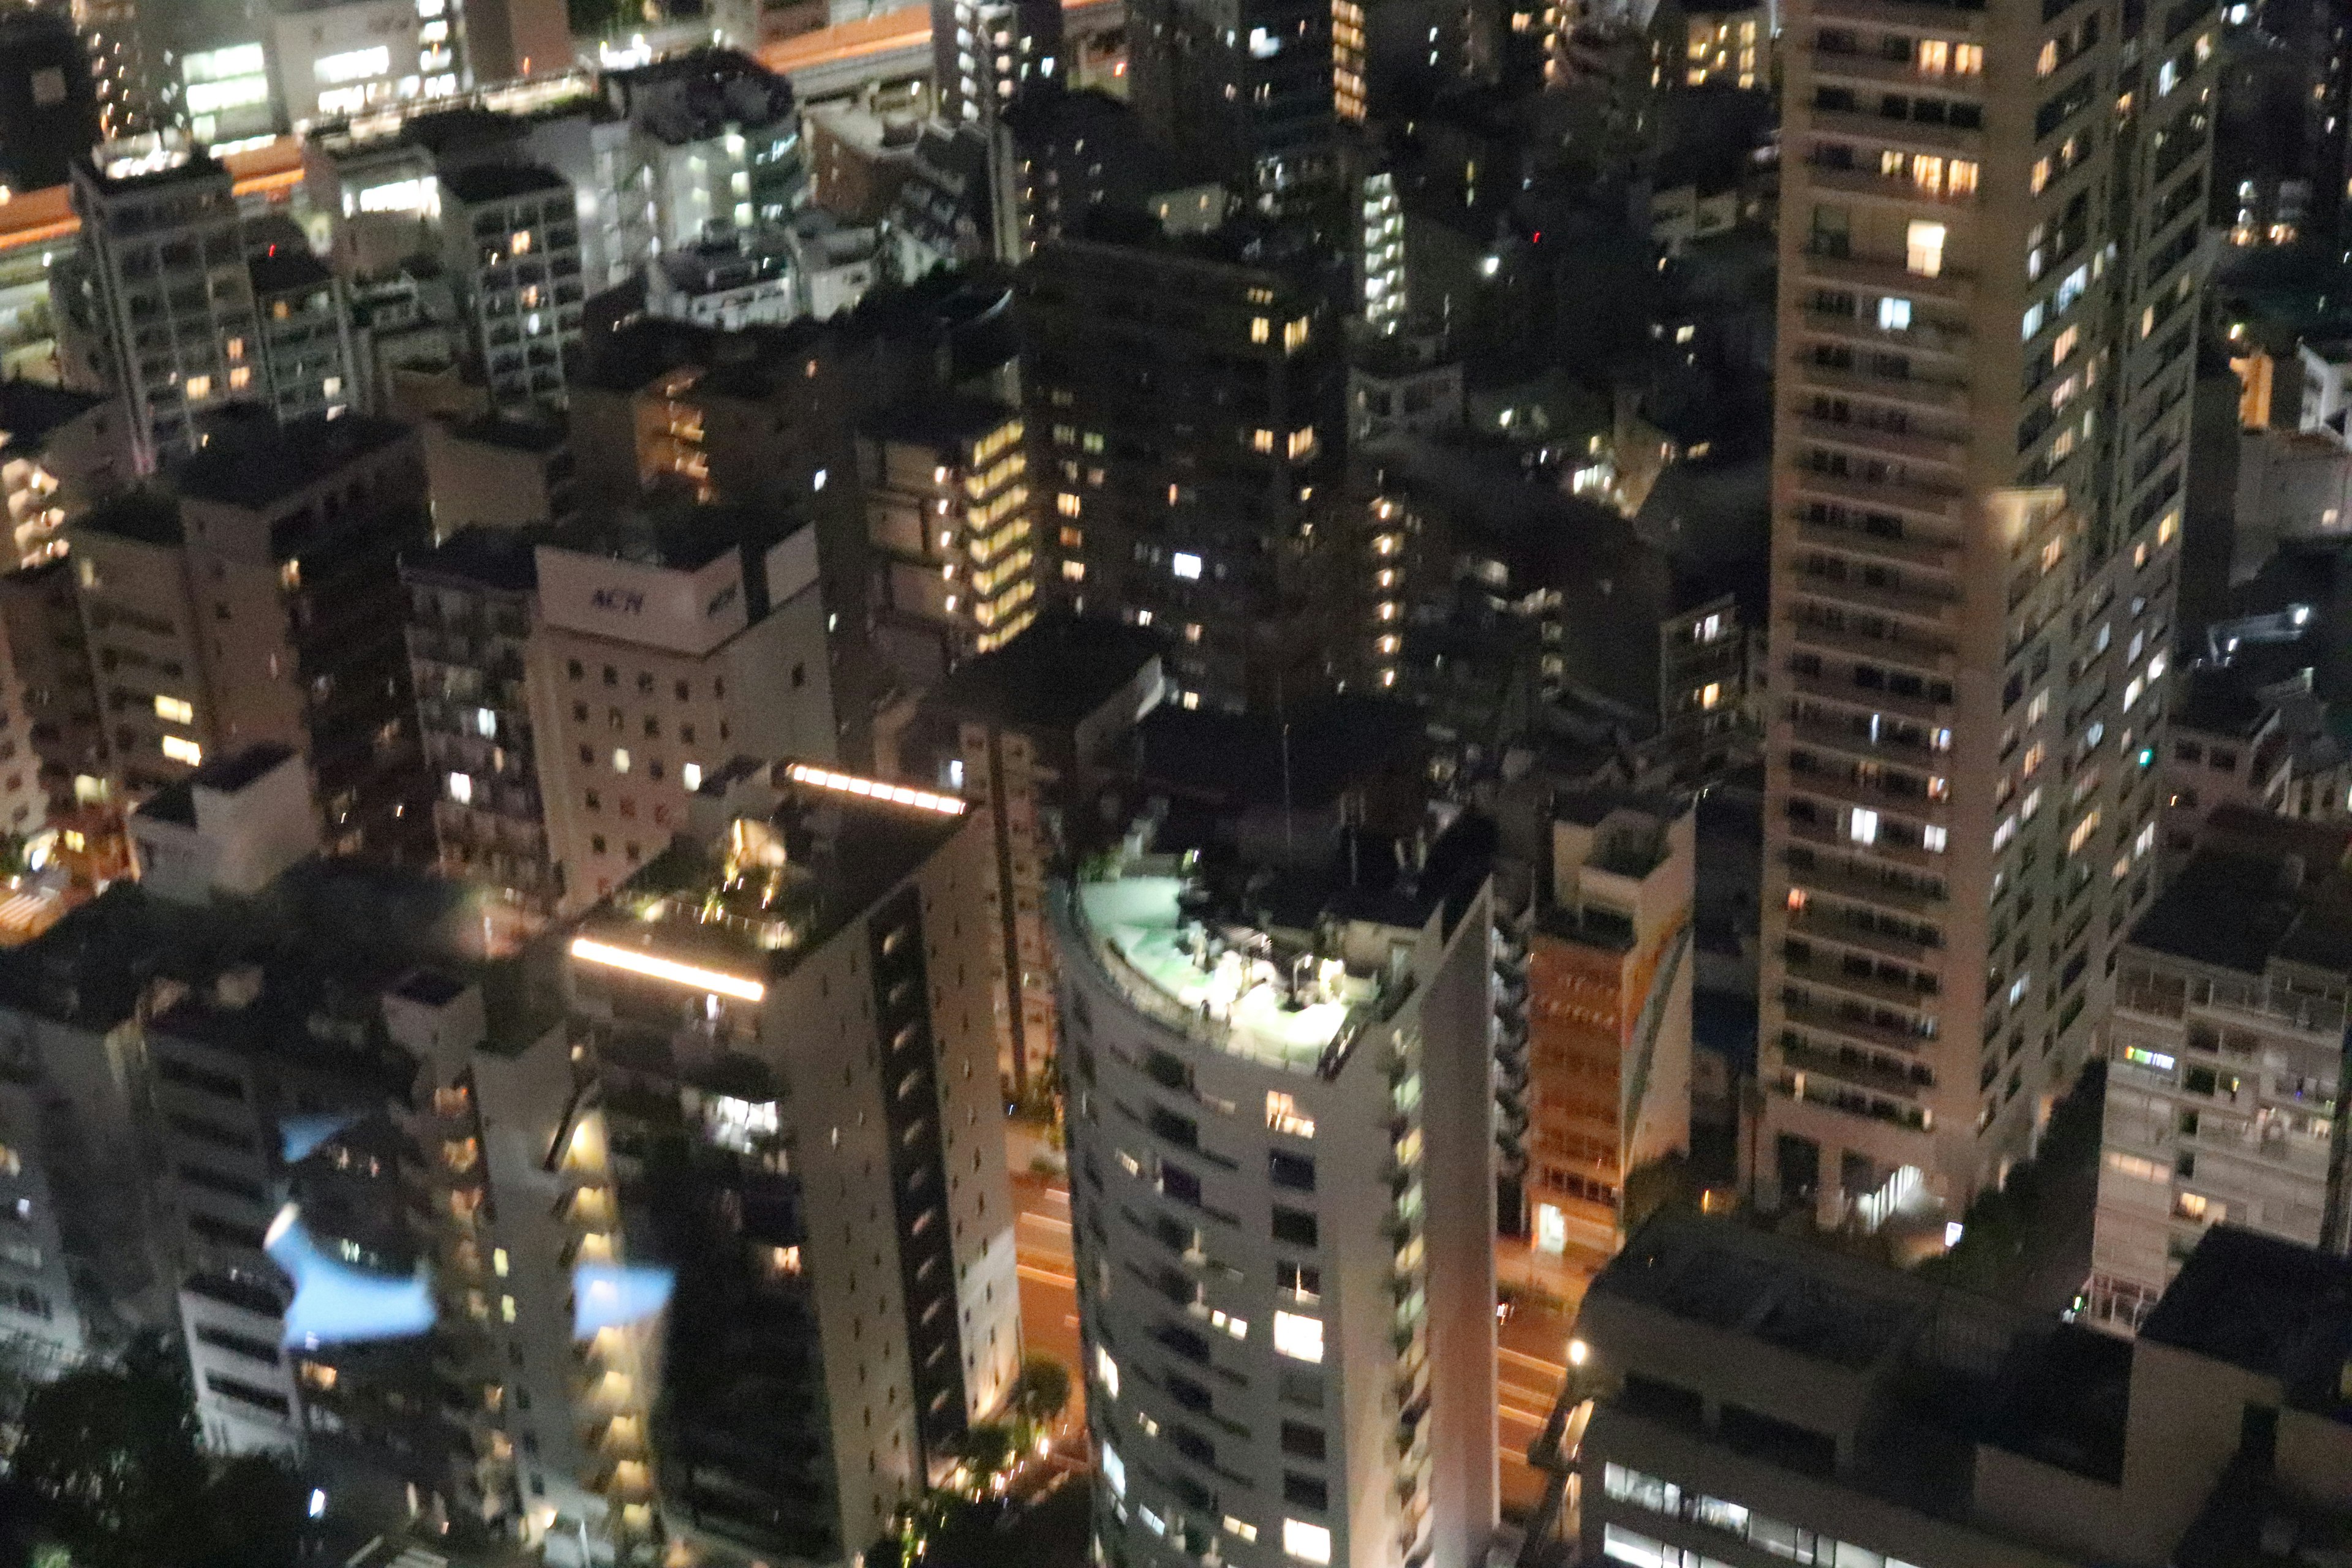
(987, 1449)
(112, 1457)
(110, 1463)
(1042, 1392)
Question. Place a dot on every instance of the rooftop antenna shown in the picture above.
(1289, 835)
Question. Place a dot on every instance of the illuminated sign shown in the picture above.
(589, 950)
(354, 65)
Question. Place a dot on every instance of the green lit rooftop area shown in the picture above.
(1278, 1003)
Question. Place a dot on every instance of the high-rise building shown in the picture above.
(1987, 305)
(1754, 1400)
(1608, 979)
(670, 639)
(986, 53)
(1185, 408)
(952, 515)
(472, 605)
(1244, 95)
(1281, 1152)
(307, 366)
(510, 239)
(259, 601)
(1030, 734)
(715, 144)
(170, 300)
(60, 451)
(2226, 1059)
(800, 1004)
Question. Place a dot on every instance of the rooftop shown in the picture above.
(2259, 887)
(1286, 970)
(2220, 699)
(257, 462)
(1051, 677)
(504, 560)
(803, 851)
(147, 516)
(283, 271)
(2269, 1307)
(672, 532)
(695, 96)
(510, 432)
(944, 418)
(30, 410)
(477, 183)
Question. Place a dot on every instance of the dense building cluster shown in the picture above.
(1387, 786)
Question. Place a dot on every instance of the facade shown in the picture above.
(1972, 614)
(1608, 979)
(953, 520)
(306, 363)
(985, 53)
(2228, 747)
(818, 1148)
(472, 604)
(1030, 734)
(715, 144)
(1753, 1401)
(499, 473)
(170, 302)
(260, 602)
(511, 243)
(1243, 94)
(1281, 1150)
(1184, 411)
(2225, 1069)
(336, 59)
(48, 648)
(667, 642)
(60, 451)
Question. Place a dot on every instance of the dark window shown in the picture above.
(1306, 1491)
(1293, 1171)
(1293, 1226)
(1302, 1441)
(1181, 1185)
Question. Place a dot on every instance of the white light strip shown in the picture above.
(676, 974)
(874, 789)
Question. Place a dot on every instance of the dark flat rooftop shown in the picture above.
(2258, 888)
(943, 417)
(147, 516)
(30, 410)
(481, 182)
(259, 462)
(2267, 1306)
(505, 560)
(1050, 676)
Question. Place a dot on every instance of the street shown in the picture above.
(1530, 1357)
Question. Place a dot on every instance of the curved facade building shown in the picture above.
(1282, 1181)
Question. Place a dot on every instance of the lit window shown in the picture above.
(240, 377)
(1308, 1542)
(1862, 825)
(1895, 315)
(520, 242)
(174, 710)
(1114, 1470)
(1260, 329)
(1106, 1371)
(1186, 565)
(620, 759)
(1282, 1115)
(1297, 1336)
(1934, 839)
(1067, 504)
(184, 751)
(461, 788)
(199, 387)
(1710, 694)
(690, 776)
(1924, 249)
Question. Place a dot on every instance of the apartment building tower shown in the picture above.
(2225, 1068)
(511, 239)
(791, 1012)
(1281, 1153)
(258, 600)
(1608, 979)
(168, 302)
(1988, 277)
(985, 52)
(1243, 94)
(1185, 403)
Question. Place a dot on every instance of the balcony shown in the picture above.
(1925, 498)
(1878, 188)
(1904, 652)
(1830, 1020)
(1890, 277)
(1914, 391)
(1910, 547)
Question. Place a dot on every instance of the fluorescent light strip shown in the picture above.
(874, 789)
(676, 974)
